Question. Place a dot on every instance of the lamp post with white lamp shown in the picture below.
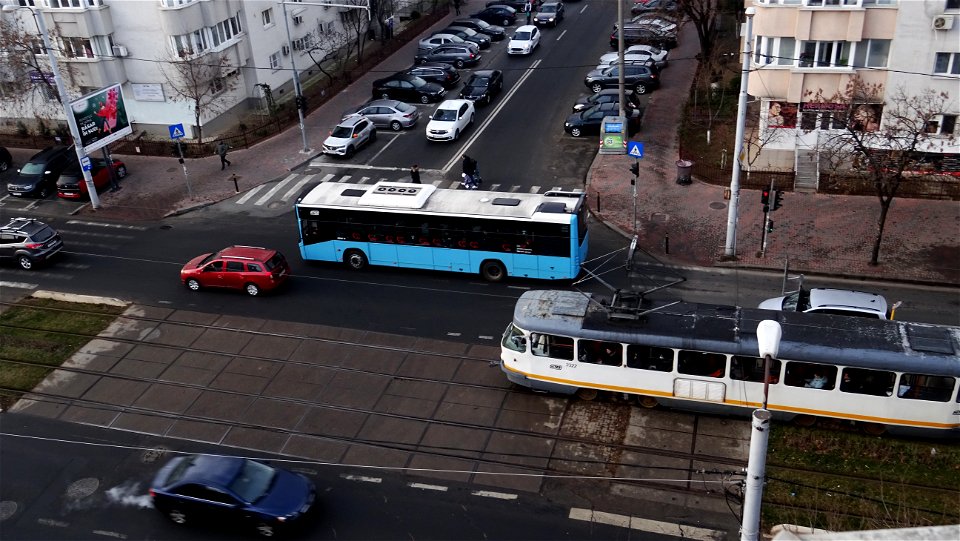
(64, 100)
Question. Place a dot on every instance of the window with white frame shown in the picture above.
(775, 51)
(952, 4)
(301, 44)
(27, 3)
(267, 17)
(275, 61)
(872, 53)
(190, 44)
(217, 85)
(225, 30)
(825, 54)
(77, 48)
(175, 3)
(942, 125)
(65, 4)
(946, 64)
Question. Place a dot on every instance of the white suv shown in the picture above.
(449, 120)
(826, 300)
(349, 135)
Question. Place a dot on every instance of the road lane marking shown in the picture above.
(647, 525)
(250, 194)
(362, 478)
(279, 186)
(297, 187)
(427, 487)
(497, 495)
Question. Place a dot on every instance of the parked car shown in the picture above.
(38, 177)
(393, 114)
(612, 59)
(407, 88)
(6, 160)
(499, 15)
(519, 6)
(609, 95)
(826, 300)
(458, 55)
(431, 42)
(248, 268)
(29, 242)
(482, 86)
(444, 75)
(660, 25)
(549, 14)
(72, 185)
(653, 6)
(229, 490)
(524, 40)
(347, 137)
(469, 34)
(636, 77)
(640, 34)
(659, 55)
(496, 33)
(587, 122)
(450, 120)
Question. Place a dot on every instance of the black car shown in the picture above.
(444, 75)
(499, 15)
(587, 122)
(226, 490)
(645, 35)
(403, 87)
(28, 242)
(458, 55)
(517, 5)
(38, 177)
(496, 33)
(482, 86)
(468, 34)
(5, 159)
(638, 77)
(549, 14)
(609, 95)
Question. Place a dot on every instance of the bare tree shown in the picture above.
(703, 15)
(330, 45)
(198, 80)
(27, 86)
(884, 140)
(356, 22)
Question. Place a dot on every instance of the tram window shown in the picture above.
(699, 363)
(872, 382)
(555, 347)
(923, 387)
(596, 352)
(513, 339)
(751, 369)
(815, 376)
(650, 358)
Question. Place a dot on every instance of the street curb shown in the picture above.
(85, 299)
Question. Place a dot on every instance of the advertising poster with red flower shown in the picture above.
(101, 118)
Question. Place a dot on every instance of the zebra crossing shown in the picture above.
(286, 190)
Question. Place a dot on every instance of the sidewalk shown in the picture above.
(816, 234)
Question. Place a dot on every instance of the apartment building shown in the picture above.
(805, 47)
(132, 42)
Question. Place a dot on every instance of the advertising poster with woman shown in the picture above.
(101, 118)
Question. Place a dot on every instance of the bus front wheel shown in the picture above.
(355, 259)
(492, 271)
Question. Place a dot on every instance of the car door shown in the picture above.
(591, 121)
(7, 241)
(406, 91)
(208, 505)
(534, 38)
(233, 274)
(212, 274)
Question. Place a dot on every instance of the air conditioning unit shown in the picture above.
(298, 20)
(286, 50)
(943, 22)
(120, 51)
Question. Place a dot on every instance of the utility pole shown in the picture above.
(620, 78)
(730, 249)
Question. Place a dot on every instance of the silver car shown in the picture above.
(825, 300)
(392, 114)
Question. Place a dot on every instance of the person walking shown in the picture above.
(528, 7)
(222, 148)
(415, 174)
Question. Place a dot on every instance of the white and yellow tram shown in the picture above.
(886, 375)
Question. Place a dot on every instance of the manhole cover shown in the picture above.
(81, 488)
(717, 205)
(7, 510)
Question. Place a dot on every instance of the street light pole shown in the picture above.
(296, 80)
(64, 100)
(730, 249)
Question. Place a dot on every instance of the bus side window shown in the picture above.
(555, 347)
(751, 369)
(815, 376)
(862, 381)
(923, 387)
(650, 358)
(699, 363)
(538, 345)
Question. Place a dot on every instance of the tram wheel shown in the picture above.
(873, 429)
(805, 420)
(587, 394)
(648, 402)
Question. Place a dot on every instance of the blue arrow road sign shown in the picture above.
(176, 131)
(635, 149)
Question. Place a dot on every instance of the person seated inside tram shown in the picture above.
(817, 382)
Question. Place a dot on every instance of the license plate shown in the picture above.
(15, 193)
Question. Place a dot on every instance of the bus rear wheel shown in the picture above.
(492, 271)
(805, 420)
(873, 429)
(355, 259)
(648, 402)
(587, 394)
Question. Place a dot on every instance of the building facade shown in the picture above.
(136, 43)
(808, 50)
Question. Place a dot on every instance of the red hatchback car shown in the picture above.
(249, 268)
(71, 185)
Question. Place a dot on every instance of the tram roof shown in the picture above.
(552, 207)
(844, 340)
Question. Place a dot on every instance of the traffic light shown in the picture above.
(777, 199)
(635, 168)
(301, 102)
(765, 196)
(769, 226)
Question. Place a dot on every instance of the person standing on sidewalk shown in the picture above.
(456, 6)
(415, 174)
(222, 148)
(528, 7)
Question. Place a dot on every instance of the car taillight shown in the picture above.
(471, 55)
(33, 245)
(152, 493)
(408, 115)
(653, 75)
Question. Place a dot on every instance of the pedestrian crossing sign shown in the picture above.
(176, 131)
(635, 149)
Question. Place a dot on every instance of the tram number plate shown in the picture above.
(556, 367)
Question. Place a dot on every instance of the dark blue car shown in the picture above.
(231, 490)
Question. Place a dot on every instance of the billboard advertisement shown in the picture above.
(101, 118)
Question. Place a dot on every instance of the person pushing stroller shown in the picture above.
(471, 173)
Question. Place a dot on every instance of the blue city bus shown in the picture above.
(420, 226)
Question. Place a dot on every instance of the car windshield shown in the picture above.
(275, 261)
(253, 481)
(405, 107)
(480, 81)
(342, 132)
(445, 114)
(482, 24)
(32, 168)
(418, 82)
(548, 9)
(522, 36)
(43, 235)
